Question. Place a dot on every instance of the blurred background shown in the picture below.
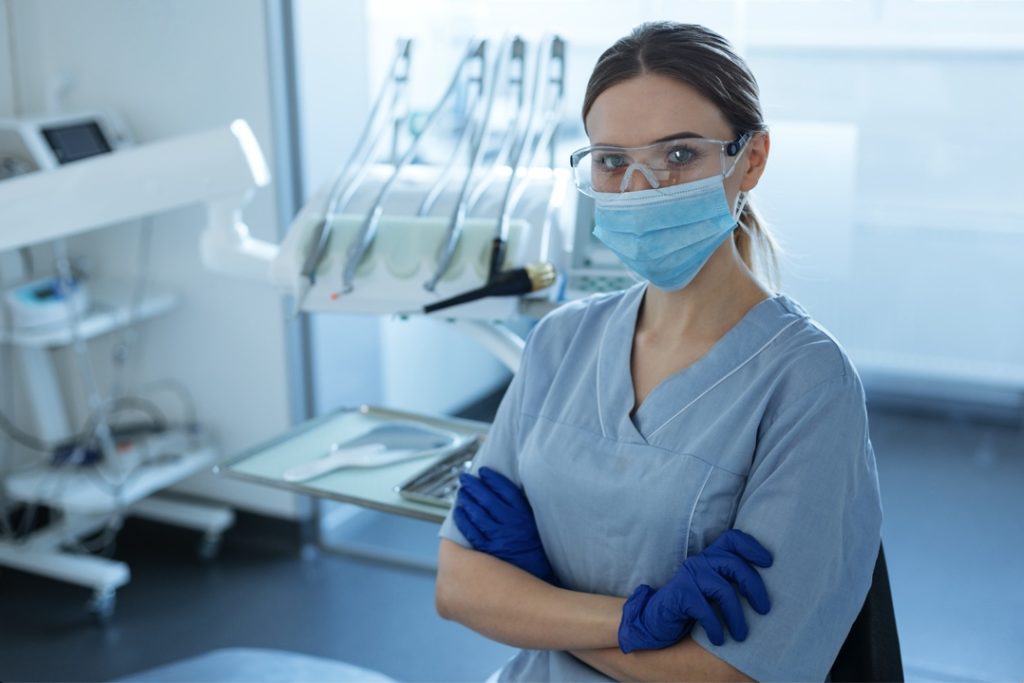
(892, 188)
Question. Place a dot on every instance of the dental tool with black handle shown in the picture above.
(530, 278)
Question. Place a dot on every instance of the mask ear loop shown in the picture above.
(741, 203)
(736, 149)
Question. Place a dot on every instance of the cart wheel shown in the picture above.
(209, 547)
(102, 605)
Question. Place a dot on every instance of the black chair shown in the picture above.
(871, 651)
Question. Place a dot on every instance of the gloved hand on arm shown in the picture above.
(654, 619)
(495, 517)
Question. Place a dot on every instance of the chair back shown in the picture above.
(871, 651)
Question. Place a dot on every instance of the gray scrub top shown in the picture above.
(767, 433)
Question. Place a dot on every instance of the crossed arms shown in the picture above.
(512, 606)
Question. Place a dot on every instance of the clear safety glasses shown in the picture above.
(606, 168)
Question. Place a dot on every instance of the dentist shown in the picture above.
(679, 483)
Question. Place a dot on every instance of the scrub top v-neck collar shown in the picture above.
(669, 399)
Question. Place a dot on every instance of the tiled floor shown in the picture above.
(954, 541)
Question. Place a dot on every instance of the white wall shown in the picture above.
(928, 299)
(169, 67)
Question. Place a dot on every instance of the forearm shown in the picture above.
(684, 661)
(514, 607)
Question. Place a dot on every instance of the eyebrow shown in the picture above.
(674, 136)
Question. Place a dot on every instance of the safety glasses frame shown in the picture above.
(729, 149)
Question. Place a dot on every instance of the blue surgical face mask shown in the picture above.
(666, 235)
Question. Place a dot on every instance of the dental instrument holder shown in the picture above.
(514, 190)
(463, 265)
(553, 115)
(368, 231)
(354, 171)
(466, 197)
(479, 129)
(321, 237)
(516, 82)
(472, 133)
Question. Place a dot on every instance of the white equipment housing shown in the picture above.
(48, 142)
(391, 278)
(61, 176)
(219, 167)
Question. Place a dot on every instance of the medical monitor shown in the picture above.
(49, 142)
(77, 141)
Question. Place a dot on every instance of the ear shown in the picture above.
(757, 158)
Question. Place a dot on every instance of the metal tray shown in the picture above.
(376, 488)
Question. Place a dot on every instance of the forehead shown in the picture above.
(649, 107)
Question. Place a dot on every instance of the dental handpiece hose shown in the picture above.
(530, 278)
(497, 258)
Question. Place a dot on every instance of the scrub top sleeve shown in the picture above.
(812, 500)
(501, 446)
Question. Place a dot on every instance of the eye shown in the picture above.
(681, 155)
(611, 162)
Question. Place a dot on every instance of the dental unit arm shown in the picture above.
(219, 168)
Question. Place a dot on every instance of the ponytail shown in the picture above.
(758, 248)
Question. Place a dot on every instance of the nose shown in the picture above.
(633, 181)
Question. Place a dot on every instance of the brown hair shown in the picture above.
(705, 61)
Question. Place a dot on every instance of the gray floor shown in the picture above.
(263, 591)
(953, 496)
(954, 514)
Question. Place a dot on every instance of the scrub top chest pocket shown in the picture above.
(613, 515)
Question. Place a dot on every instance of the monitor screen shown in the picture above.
(80, 141)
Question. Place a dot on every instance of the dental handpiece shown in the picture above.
(530, 278)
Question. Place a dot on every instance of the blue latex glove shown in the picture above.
(495, 517)
(653, 619)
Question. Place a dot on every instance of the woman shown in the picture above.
(696, 442)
